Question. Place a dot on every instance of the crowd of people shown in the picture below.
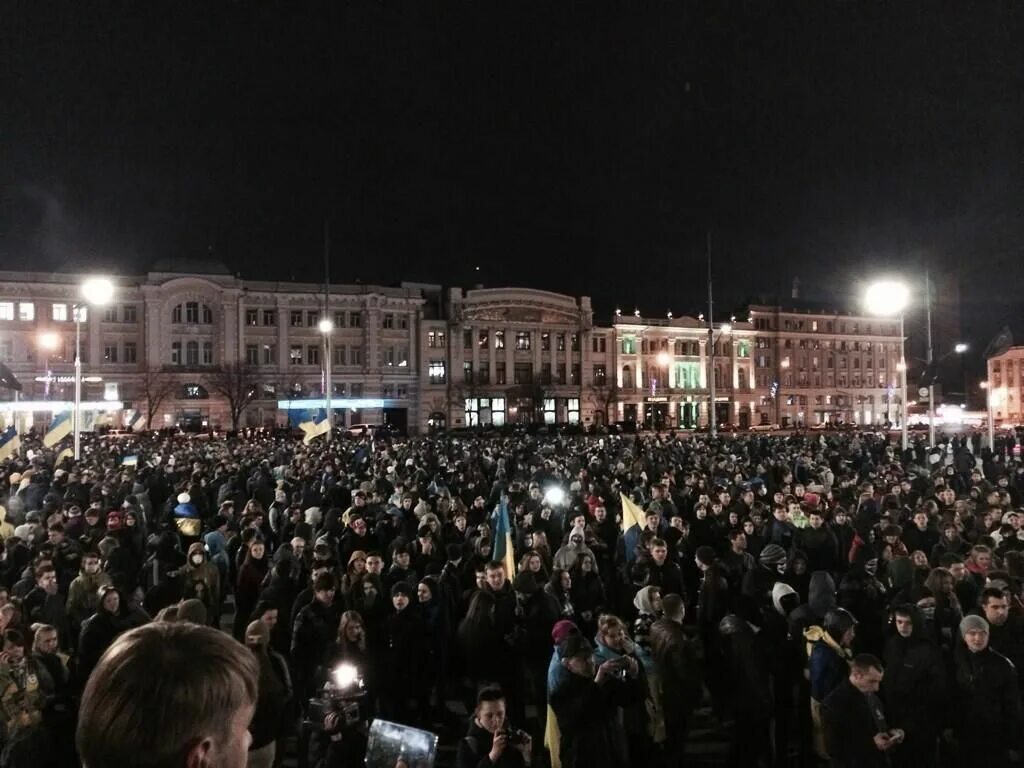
(822, 598)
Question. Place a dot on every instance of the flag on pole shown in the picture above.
(632, 523)
(10, 442)
(503, 549)
(60, 428)
(316, 426)
(139, 423)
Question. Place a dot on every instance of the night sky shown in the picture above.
(577, 146)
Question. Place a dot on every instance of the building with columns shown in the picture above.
(175, 340)
(179, 343)
(495, 356)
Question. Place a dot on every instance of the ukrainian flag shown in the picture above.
(503, 550)
(59, 429)
(632, 523)
(10, 442)
(316, 426)
(67, 453)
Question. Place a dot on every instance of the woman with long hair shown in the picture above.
(356, 568)
(940, 608)
(558, 592)
(247, 589)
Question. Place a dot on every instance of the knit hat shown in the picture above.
(705, 555)
(562, 630)
(184, 498)
(771, 555)
(403, 588)
(973, 623)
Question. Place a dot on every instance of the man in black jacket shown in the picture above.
(915, 688)
(856, 733)
(986, 727)
(491, 743)
(587, 706)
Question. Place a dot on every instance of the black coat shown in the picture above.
(314, 630)
(473, 751)
(986, 703)
(850, 729)
(404, 655)
(914, 690)
(588, 717)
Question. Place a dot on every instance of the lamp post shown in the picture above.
(724, 329)
(784, 365)
(326, 329)
(96, 291)
(664, 359)
(48, 341)
(993, 397)
(887, 298)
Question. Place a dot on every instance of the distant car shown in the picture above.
(361, 430)
(764, 428)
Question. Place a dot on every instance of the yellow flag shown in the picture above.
(631, 514)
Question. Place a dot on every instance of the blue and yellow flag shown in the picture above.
(10, 442)
(632, 524)
(60, 428)
(315, 425)
(503, 549)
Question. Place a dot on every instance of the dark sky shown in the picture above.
(578, 146)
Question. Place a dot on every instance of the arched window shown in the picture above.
(207, 315)
(627, 377)
(176, 314)
(742, 378)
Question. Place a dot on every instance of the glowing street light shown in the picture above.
(326, 327)
(49, 340)
(663, 358)
(960, 348)
(96, 291)
(889, 298)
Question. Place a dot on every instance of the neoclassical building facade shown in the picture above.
(191, 345)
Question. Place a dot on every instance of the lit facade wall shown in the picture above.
(1006, 386)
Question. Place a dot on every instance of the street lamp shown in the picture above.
(326, 329)
(723, 329)
(96, 291)
(960, 348)
(888, 298)
(664, 358)
(48, 341)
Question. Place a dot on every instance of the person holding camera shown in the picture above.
(490, 741)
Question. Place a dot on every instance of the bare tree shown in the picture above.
(604, 396)
(236, 383)
(157, 385)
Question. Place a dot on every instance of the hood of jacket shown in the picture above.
(821, 593)
(643, 601)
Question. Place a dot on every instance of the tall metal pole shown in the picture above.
(76, 416)
(903, 383)
(328, 381)
(989, 394)
(712, 430)
(931, 373)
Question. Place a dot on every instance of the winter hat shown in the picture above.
(771, 555)
(562, 630)
(784, 598)
(973, 623)
(453, 551)
(403, 588)
(184, 498)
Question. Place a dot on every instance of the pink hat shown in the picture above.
(562, 630)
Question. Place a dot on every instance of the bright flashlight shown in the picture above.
(554, 496)
(345, 676)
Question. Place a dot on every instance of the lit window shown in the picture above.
(26, 311)
(6, 310)
(295, 355)
(436, 372)
(499, 339)
(60, 312)
(523, 340)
